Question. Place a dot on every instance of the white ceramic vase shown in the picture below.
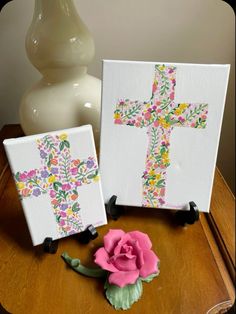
(60, 46)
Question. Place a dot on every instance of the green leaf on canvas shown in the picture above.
(75, 207)
(123, 298)
(61, 146)
(66, 143)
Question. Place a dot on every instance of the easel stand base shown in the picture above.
(183, 217)
(90, 233)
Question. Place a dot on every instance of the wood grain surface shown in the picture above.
(31, 281)
(222, 220)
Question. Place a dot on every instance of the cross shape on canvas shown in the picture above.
(159, 115)
(60, 177)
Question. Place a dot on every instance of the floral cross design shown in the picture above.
(159, 115)
(60, 177)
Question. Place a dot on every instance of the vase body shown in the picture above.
(60, 46)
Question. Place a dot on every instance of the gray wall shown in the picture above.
(196, 31)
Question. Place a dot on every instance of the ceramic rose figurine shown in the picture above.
(125, 260)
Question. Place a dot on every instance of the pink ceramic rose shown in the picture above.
(127, 256)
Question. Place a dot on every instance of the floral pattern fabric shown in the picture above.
(159, 115)
(60, 177)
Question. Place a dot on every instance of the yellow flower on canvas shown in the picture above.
(183, 106)
(152, 173)
(69, 211)
(20, 185)
(51, 179)
(63, 137)
(117, 115)
(152, 182)
(178, 111)
(96, 179)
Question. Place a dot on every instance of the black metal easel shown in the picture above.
(183, 216)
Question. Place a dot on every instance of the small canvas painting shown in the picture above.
(58, 181)
(160, 132)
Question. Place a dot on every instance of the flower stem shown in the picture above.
(90, 272)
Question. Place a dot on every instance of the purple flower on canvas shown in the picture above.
(36, 192)
(54, 170)
(43, 154)
(64, 206)
(90, 164)
(44, 174)
(161, 201)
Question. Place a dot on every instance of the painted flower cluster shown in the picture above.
(59, 177)
(159, 115)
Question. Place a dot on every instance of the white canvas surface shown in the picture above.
(48, 206)
(192, 151)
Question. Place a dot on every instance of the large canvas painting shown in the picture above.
(58, 181)
(161, 125)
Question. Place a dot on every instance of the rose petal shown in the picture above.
(143, 239)
(102, 258)
(137, 251)
(111, 239)
(124, 262)
(124, 239)
(127, 240)
(123, 278)
(150, 264)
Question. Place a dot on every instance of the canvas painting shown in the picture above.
(160, 132)
(58, 181)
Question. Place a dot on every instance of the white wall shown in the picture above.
(197, 31)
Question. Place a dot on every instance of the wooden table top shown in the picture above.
(31, 281)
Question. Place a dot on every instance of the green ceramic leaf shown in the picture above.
(149, 278)
(123, 298)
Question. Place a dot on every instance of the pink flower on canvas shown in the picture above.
(74, 171)
(31, 174)
(23, 177)
(25, 192)
(127, 256)
(118, 121)
(147, 115)
(52, 193)
(154, 87)
(172, 96)
(66, 187)
(156, 123)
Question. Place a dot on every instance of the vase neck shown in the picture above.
(57, 40)
(46, 8)
(57, 75)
